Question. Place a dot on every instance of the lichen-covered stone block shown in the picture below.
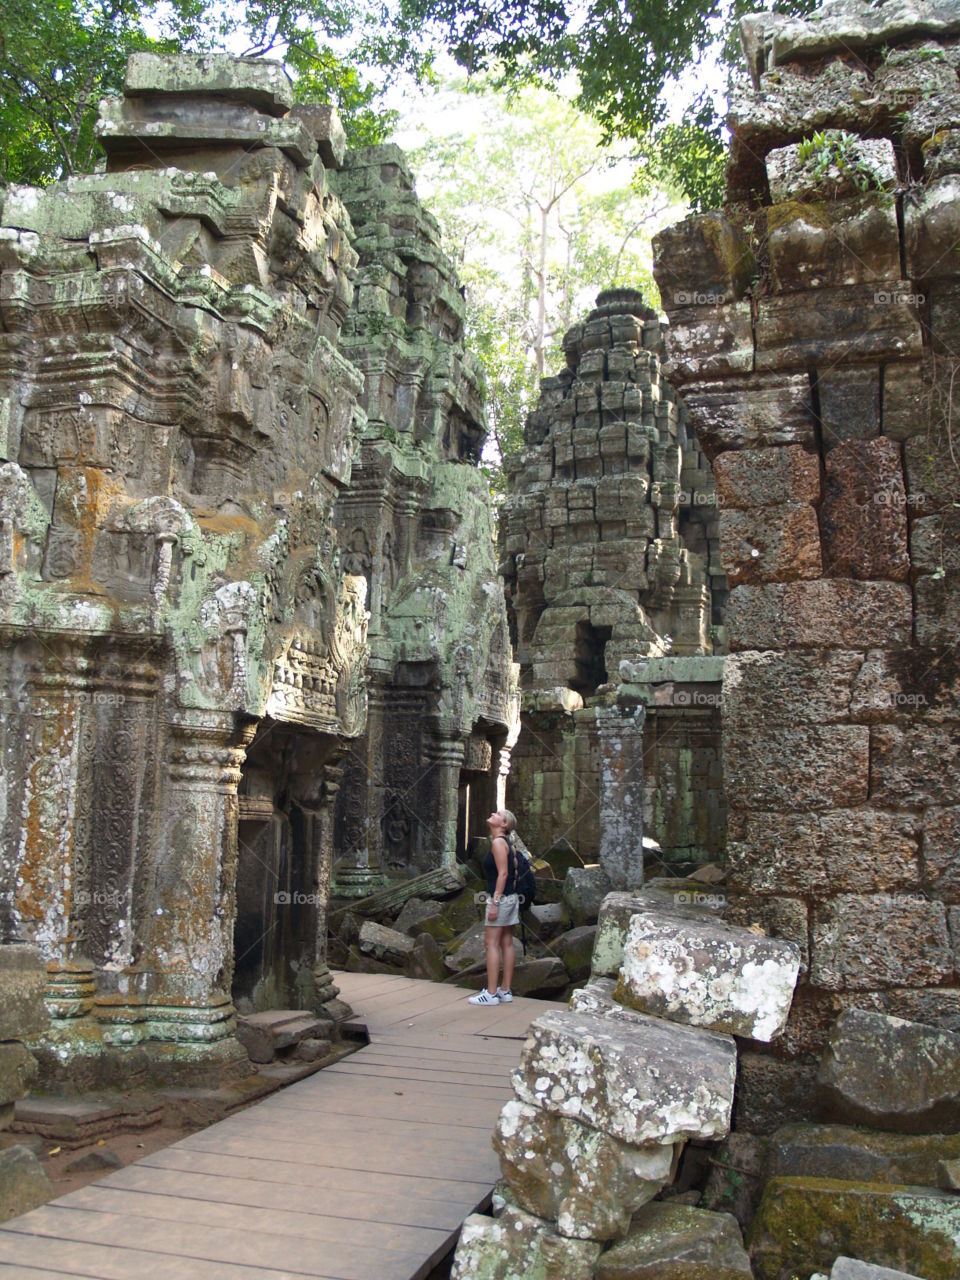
(641, 1081)
(583, 1179)
(868, 942)
(518, 1244)
(708, 974)
(680, 1242)
(804, 1224)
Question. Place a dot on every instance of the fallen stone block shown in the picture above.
(891, 1074)
(18, 1071)
(544, 976)
(386, 945)
(23, 1183)
(426, 959)
(678, 1242)
(640, 1079)
(860, 1155)
(618, 909)
(575, 949)
(851, 1269)
(584, 890)
(805, 1224)
(518, 1244)
(587, 1182)
(23, 980)
(266, 1034)
(708, 974)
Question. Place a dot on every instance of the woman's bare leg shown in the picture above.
(491, 941)
(509, 953)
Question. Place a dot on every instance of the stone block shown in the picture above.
(941, 153)
(891, 1074)
(853, 1269)
(913, 766)
(678, 1242)
(709, 341)
(931, 228)
(838, 614)
(23, 979)
(858, 850)
(752, 413)
(788, 688)
(387, 945)
(703, 255)
(519, 1244)
(640, 1080)
(777, 916)
(770, 545)
(804, 1224)
(855, 322)
(24, 1184)
(575, 949)
(771, 1092)
(794, 173)
(859, 1155)
(828, 767)
(426, 960)
(906, 404)
(864, 513)
(584, 889)
(941, 853)
(866, 943)
(18, 1071)
(618, 909)
(750, 478)
(708, 974)
(849, 404)
(587, 1182)
(540, 977)
(848, 242)
(257, 82)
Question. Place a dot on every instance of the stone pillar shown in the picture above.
(620, 734)
(446, 760)
(325, 989)
(23, 1182)
(358, 872)
(186, 961)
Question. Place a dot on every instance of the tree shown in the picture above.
(539, 216)
(622, 53)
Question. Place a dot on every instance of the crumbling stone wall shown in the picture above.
(819, 376)
(184, 589)
(416, 523)
(610, 553)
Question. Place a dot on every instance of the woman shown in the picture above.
(503, 909)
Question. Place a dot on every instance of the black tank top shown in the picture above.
(490, 869)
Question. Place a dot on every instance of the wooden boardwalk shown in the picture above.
(363, 1171)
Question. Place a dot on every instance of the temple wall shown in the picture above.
(814, 338)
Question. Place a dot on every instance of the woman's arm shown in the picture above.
(500, 850)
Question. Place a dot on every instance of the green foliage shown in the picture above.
(835, 151)
(538, 216)
(59, 57)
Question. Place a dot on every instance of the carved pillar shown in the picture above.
(446, 759)
(358, 870)
(187, 953)
(326, 991)
(620, 734)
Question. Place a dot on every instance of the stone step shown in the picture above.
(267, 1034)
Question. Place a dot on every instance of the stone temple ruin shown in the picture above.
(258, 660)
(240, 429)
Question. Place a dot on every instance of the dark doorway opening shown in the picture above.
(590, 658)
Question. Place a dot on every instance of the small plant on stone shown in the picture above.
(833, 154)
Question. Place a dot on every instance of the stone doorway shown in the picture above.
(282, 879)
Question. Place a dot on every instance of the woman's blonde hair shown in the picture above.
(509, 819)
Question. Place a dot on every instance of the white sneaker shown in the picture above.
(504, 996)
(484, 997)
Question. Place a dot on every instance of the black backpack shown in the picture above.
(524, 879)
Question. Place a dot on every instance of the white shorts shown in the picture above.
(508, 912)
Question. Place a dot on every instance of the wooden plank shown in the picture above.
(99, 1262)
(351, 1261)
(168, 1207)
(410, 1209)
(287, 1173)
